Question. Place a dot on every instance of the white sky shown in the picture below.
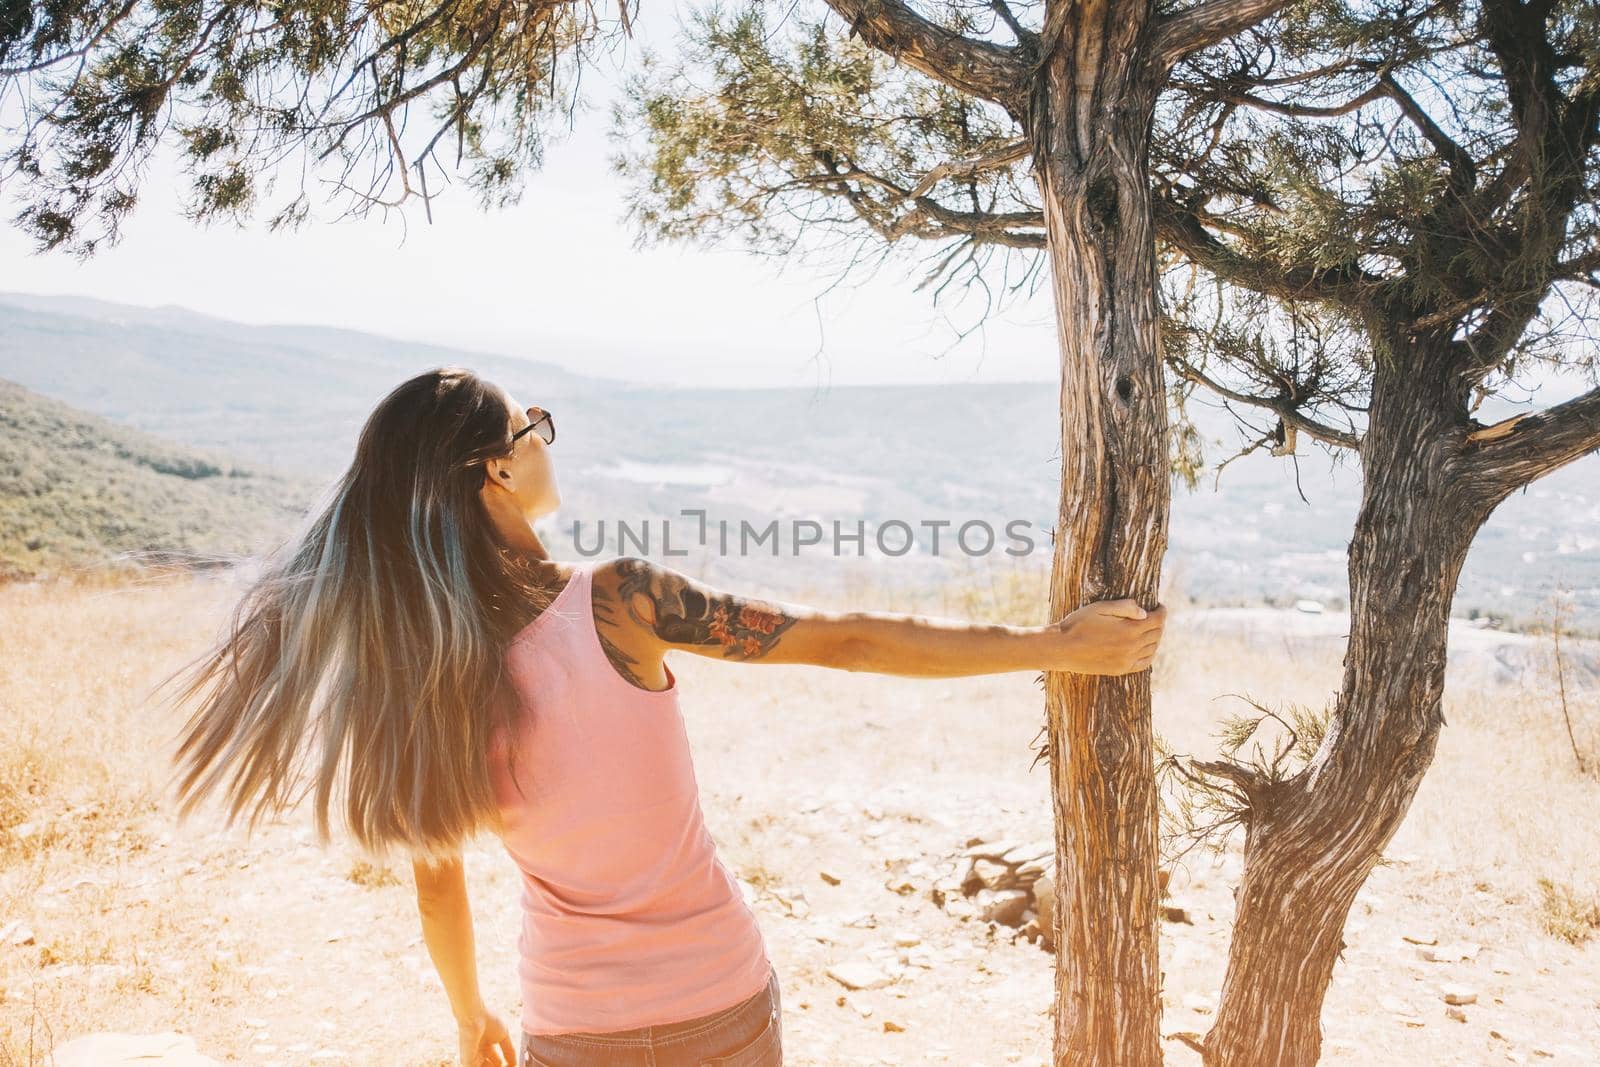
(553, 278)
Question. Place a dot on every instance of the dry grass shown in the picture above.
(1567, 914)
(141, 925)
(374, 875)
(78, 764)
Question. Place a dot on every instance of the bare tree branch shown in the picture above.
(1009, 17)
(1203, 25)
(991, 71)
(960, 168)
(1523, 448)
(1279, 406)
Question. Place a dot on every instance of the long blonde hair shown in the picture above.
(374, 639)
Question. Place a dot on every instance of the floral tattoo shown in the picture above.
(681, 614)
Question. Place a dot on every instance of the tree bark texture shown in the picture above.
(1312, 839)
(1088, 119)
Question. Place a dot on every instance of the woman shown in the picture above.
(417, 635)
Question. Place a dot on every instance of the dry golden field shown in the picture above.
(272, 950)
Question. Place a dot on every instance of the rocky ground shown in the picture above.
(889, 832)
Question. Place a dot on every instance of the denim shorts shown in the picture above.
(749, 1034)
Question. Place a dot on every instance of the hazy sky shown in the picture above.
(555, 277)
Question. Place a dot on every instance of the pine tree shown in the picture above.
(1371, 217)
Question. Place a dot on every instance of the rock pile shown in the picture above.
(1010, 882)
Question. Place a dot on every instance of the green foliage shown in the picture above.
(1203, 803)
(765, 132)
(244, 86)
(1427, 171)
(77, 490)
(1300, 731)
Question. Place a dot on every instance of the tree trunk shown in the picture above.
(1089, 122)
(1311, 840)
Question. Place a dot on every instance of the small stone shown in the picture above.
(892, 1027)
(793, 899)
(858, 975)
(116, 1050)
(1034, 850)
(1455, 1013)
(1006, 907)
(991, 850)
(1044, 900)
(831, 879)
(959, 908)
(906, 939)
(1455, 952)
(826, 934)
(993, 875)
(1028, 873)
(1457, 994)
(1176, 913)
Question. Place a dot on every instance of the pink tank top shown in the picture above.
(629, 919)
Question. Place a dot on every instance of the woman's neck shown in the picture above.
(531, 546)
(519, 536)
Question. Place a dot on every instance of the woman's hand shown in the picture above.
(485, 1041)
(1106, 637)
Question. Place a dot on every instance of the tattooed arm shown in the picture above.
(670, 610)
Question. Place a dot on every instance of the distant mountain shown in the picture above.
(288, 397)
(77, 489)
(292, 398)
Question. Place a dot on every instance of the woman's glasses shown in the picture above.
(540, 420)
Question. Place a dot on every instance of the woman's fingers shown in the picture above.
(1127, 608)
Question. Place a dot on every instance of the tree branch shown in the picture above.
(1021, 32)
(1347, 286)
(1205, 24)
(1297, 111)
(952, 168)
(1463, 172)
(994, 72)
(1281, 407)
(1523, 448)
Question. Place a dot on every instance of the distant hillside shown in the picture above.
(286, 398)
(292, 399)
(77, 489)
